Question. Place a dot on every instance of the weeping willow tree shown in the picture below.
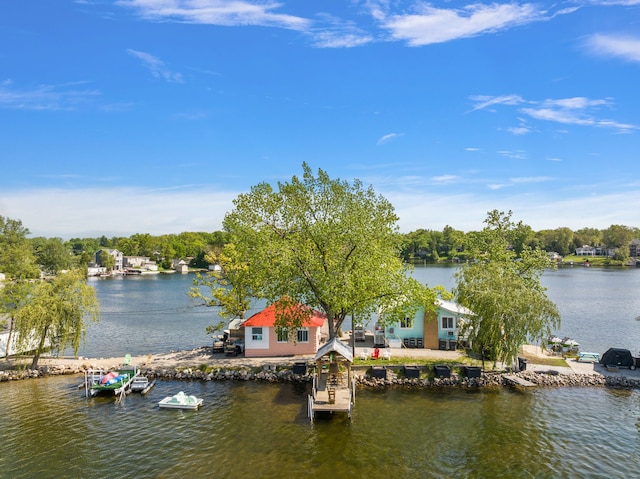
(504, 292)
(55, 314)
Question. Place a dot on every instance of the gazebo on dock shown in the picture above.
(333, 384)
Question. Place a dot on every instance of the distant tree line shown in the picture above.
(422, 245)
(54, 254)
(451, 244)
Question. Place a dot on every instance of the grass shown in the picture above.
(544, 361)
(422, 362)
(457, 363)
(593, 260)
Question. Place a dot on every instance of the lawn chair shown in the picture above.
(375, 354)
(386, 354)
(364, 353)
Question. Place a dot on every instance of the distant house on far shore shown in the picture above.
(117, 255)
(180, 266)
(554, 256)
(586, 250)
(143, 263)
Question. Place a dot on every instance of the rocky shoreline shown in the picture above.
(363, 376)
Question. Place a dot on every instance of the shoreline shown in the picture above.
(201, 364)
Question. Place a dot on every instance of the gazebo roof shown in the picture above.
(334, 345)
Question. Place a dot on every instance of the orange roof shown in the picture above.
(267, 317)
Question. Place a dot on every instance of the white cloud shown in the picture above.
(616, 2)
(574, 103)
(156, 66)
(516, 155)
(484, 101)
(625, 47)
(519, 130)
(67, 96)
(436, 25)
(569, 111)
(581, 118)
(387, 138)
(217, 12)
(331, 39)
(338, 33)
(445, 178)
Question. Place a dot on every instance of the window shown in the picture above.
(447, 322)
(303, 335)
(406, 323)
(256, 334)
(283, 335)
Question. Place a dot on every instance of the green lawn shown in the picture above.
(593, 260)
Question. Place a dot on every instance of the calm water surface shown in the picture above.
(256, 430)
(49, 430)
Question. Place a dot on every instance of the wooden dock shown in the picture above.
(518, 381)
(327, 398)
(334, 387)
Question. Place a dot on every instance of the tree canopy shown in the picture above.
(327, 244)
(51, 254)
(17, 260)
(503, 290)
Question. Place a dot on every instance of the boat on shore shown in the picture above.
(181, 401)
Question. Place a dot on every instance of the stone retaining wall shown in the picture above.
(549, 378)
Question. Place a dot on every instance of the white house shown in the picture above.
(117, 255)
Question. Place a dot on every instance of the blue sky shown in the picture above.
(151, 116)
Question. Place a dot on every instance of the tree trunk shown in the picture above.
(332, 328)
(6, 354)
(38, 351)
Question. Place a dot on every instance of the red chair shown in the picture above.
(375, 354)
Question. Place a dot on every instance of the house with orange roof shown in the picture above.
(264, 338)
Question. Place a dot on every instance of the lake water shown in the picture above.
(49, 430)
(153, 314)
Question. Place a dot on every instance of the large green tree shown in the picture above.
(17, 260)
(325, 243)
(51, 254)
(18, 264)
(503, 290)
(55, 314)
